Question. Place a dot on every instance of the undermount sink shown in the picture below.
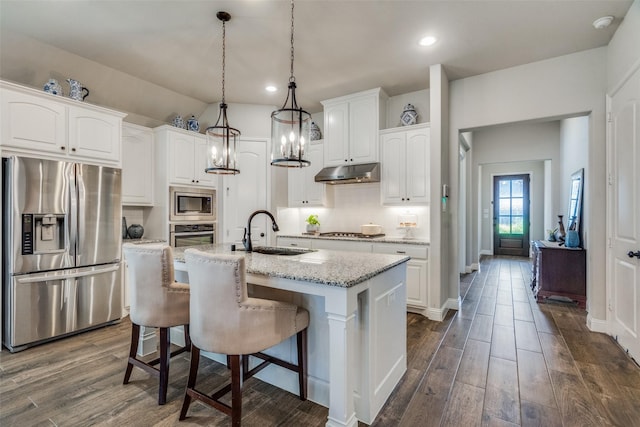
(274, 250)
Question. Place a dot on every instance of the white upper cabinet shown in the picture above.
(186, 153)
(38, 123)
(303, 190)
(352, 124)
(94, 134)
(137, 165)
(405, 156)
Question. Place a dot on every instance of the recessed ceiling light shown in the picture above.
(603, 22)
(427, 41)
(271, 88)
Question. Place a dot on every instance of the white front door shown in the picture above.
(247, 192)
(623, 274)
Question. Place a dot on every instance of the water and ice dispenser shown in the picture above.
(43, 233)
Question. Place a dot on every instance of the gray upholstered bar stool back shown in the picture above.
(225, 320)
(157, 301)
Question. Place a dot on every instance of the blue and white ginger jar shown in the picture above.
(53, 87)
(193, 124)
(409, 116)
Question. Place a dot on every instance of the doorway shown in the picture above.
(511, 215)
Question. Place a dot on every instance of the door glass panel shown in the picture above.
(516, 188)
(505, 189)
(517, 226)
(505, 225)
(505, 207)
(517, 207)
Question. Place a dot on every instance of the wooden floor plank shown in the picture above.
(465, 406)
(481, 328)
(556, 353)
(502, 399)
(574, 401)
(503, 343)
(533, 377)
(527, 336)
(474, 364)
(536, 415)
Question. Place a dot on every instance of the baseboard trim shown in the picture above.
(486, 252)
(147, 343)
(597, 325)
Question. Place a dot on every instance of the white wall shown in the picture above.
(560, 87)
(574, 141)
(396, 104)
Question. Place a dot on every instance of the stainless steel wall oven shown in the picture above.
(185, 234)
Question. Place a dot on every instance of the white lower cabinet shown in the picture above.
(417, 266)
(295, 243)
(417, 272)
(137, 165)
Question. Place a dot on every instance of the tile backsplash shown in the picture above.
(355, 205)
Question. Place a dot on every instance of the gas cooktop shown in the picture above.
(350, 234)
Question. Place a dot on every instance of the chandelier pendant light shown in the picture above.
(222, 139)
(290, 127)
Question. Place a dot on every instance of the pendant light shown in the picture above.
(290, 127)
(222, 139)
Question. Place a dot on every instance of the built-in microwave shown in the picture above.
(192, 204)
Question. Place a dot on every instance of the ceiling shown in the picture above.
(340, 46)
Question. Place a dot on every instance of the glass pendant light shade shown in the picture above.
(290, 127)
(222, 139)
(290, 134)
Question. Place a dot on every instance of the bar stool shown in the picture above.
(157, 301)
(225, 320)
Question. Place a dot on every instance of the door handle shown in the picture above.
(632, 254)
(261, 234)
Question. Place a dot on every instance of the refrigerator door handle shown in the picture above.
(73, 214)
(39, 277)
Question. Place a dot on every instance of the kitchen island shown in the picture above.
(357, 330)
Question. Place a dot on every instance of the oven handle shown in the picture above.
(199, 233)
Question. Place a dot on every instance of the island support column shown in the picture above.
(341, 313)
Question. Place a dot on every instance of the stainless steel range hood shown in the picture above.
(349, 174)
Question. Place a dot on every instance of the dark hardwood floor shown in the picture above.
(502, 360)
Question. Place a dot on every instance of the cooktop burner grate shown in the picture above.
(350, 234)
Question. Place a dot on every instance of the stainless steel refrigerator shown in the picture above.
(61, 249)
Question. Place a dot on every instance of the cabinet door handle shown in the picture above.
(62, 148)
(293, 244)
(73, 149)
(401, 252)
(632, 254)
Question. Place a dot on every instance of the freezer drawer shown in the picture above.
(48, 305)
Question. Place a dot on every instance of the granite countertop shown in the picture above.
(384, 239)
(142, 241)
(333, 268)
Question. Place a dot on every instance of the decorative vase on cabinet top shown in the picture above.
(178, 122)
(193, 124)
(409, 116)
(76, 91)
(315, 132)
(53, 87)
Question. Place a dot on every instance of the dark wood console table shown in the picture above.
(559, 271)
